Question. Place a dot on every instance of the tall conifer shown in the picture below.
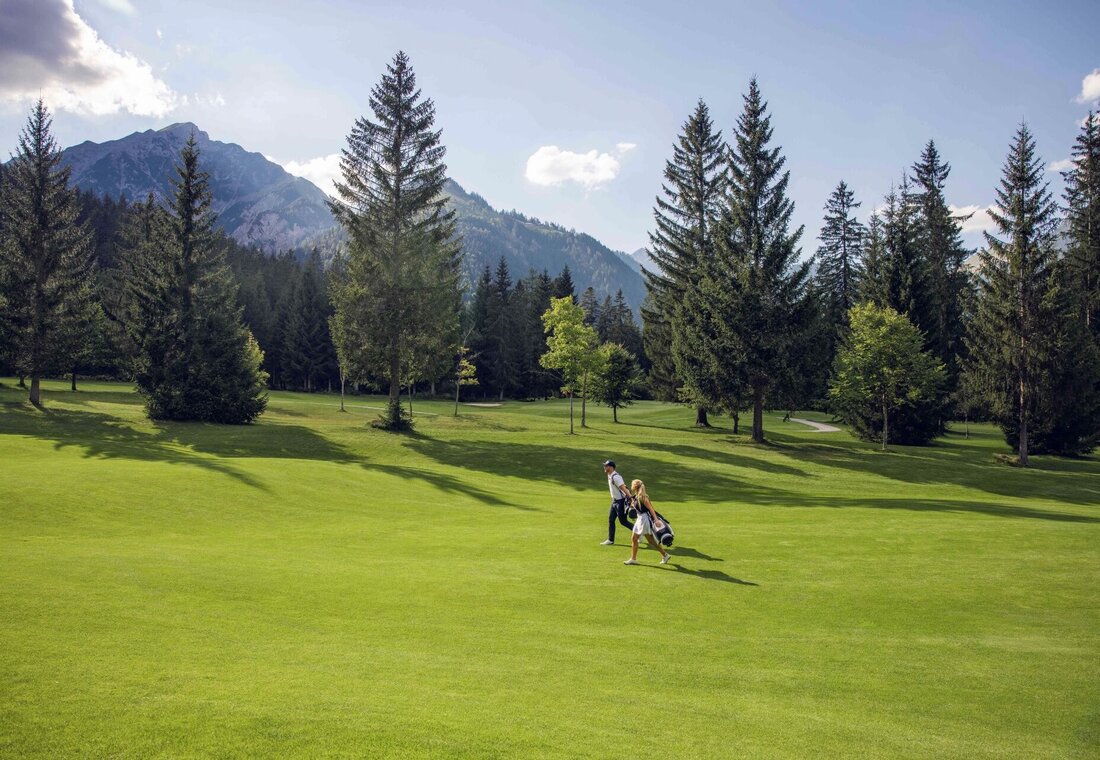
(756, 287)
(403, 258)
(45, 256)
(682, 241)
(1082, 196)
(1015, 319)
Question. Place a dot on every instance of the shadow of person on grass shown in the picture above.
(708, 575)
(684, 551)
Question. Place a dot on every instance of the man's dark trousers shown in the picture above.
(618, 511)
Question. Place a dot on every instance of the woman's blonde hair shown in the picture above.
(638, 487)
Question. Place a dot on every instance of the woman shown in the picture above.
(643, 526)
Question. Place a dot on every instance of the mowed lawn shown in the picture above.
(310, 587)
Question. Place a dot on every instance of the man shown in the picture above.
(619, 499)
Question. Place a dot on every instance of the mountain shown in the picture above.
(527, 243)
(257, 201)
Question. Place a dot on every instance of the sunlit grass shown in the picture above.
(308, 586)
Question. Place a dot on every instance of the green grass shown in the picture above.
(308, 586)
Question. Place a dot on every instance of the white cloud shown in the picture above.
(47, 50)
(1090, 88)
(552, 166)
(122, 6)
(1060, 166)
(322, 171)
(979, 219)
(1083, 119)
(160, 35)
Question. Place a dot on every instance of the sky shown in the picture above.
(567, 111)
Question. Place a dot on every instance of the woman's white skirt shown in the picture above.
(644, 524)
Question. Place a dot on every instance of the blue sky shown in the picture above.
(568, 110)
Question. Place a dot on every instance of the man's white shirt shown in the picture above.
(614, 480)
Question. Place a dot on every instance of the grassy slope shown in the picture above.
(308, 586)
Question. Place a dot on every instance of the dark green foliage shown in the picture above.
(402, 289)
(681, 244)
(46, 274)
(563, 285)
(308, 359)
(196, 361)
(839, 266)
(618, 384)
(875, 284)
(615, 324)
(1020, 344)
(756, 300)
(657, 339)
(939, 238)
(1082, 197)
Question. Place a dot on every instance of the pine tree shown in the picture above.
(1082, 196)
(616, 386)
(403, 258)
(563, 285)
(204, 364)
(839, 266)
(682, 242)
(906, 271)
(499, 360)
(874, 285)
(45, 256)
(755, 289)
(308, 349)
(939, 238)
(591, 305)
(1015, 317)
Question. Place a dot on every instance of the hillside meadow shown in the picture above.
(310, 587)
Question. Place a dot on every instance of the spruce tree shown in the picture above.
(403, 258)
(563, 285)
(682, 241)
(755, 288)
(206, 364)
(874, 285)
(1082, 196)
(591, 305)
(838, 257)
(499, 360)
(939, 238)
(1011, 337)
(308, 350)
(45, 257)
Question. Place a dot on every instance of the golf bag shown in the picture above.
(662, 531)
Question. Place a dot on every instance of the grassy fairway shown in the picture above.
(310, 587)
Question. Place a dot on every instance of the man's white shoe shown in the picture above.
(665, 559)
(608, 542)
(631, 562)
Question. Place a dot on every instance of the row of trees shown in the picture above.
(735, 320)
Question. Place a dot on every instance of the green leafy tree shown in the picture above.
(572, 347)
(45, 257)
(880, 367)
(754, 292)
(1082, 196)
(617, 385)
(682, 242)
(465, 373)
(1017, 309)
(403, 268)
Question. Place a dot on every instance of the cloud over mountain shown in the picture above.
(552, 166)
(47, 49)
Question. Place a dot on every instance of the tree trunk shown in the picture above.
(736, 422)
(584, 400)
(614, 414)
(433, 388)
(22, 382)
(458, 387)
(885, 424)
(74, 379)
(395, 378)
(410, 399)
(758, 414)
(570, 412)
(1023, 423)
(342, 409)
(36, 391)
(701, 417)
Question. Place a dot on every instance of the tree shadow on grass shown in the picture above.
(723, 457)
(578, 468)
(951, 460)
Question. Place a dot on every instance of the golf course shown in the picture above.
(308, 586)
